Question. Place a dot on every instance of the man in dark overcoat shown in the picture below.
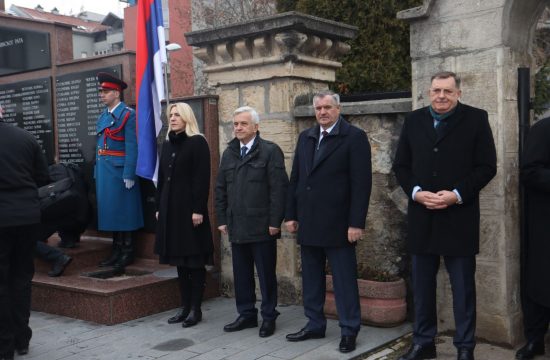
(445, 156)
(535, 176)
(119, 207)
(327, 205)
(24, 169)
(250, 196)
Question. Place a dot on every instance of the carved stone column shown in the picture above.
(268, 63)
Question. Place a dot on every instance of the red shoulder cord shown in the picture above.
(111, 133)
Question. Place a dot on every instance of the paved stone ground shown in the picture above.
(56, 337)
(445, 350)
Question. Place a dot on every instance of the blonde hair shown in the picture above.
(188, 117)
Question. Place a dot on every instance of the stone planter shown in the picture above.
(383, 304)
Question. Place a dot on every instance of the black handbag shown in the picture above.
(58, 199)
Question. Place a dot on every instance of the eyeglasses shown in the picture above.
(448, 92)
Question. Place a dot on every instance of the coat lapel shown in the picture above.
(311, 142)
(452, 122)
(332, 142)
(428, 125)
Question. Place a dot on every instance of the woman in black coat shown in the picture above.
(184, 238)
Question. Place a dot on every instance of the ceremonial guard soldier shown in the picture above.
(118, 194)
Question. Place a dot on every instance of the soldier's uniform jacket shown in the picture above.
(119, 209)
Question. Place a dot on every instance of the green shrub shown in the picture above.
(379, 58)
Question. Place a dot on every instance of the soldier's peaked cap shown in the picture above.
(111, 82)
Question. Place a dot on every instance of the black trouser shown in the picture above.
(264, 255)
(69, 232)
(536, 319)
(47, 253)
(191, 283)
(461, 270)
(343, 263)
(16, 272)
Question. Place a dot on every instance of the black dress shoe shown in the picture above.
(267, 328)
(530, 350)
(180, 316)
(419, 352)
(465, 354)
(241, 323)
(59, 266)
(194, 317)
(304, 335)
(347, 343)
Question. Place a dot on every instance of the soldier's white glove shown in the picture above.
(129, 183)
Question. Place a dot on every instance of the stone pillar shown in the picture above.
(268, 63)
(484, 42)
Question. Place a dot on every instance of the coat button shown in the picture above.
(170, 165)
(173, 154)
(308, 188)
(434, 174)
(168, 178)
(436, 149)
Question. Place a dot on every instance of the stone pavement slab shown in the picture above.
(56, 337)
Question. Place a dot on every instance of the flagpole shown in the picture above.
(169, 48)
(167, 91)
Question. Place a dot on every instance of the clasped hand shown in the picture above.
(436, 201)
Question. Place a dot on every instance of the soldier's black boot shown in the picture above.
(198, 278)
(116, 250)
(127, 251)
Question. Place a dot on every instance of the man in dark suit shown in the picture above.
(535, 176)
(24, 168)
(445, 156)
(250, 194)
(327, 205)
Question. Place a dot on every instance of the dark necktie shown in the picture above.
(324, 133)
(243, 152)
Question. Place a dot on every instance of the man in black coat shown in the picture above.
(327, 203)
(445, 156)
(535, 176)
(250, 195)
(24, 168)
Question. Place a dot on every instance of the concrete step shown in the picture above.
(146, 288)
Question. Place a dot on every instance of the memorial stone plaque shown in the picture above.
(23, 50)
(78, 107)
(28, 104)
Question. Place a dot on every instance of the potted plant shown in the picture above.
(382, 298)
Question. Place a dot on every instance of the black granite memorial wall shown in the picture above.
(28, 104)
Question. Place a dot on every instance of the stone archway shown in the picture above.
(521, 18)
(485, 42)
